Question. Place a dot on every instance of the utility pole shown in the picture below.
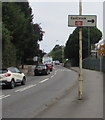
(62, 54)
(81, 21)
(89, 47)
(80, 89)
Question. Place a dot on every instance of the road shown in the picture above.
(39, 93)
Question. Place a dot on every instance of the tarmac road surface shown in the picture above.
(39, 93)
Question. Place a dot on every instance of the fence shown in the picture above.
(93, 64)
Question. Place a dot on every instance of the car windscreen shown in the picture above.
(57, 62)
(3, 71)
(41, 66)
(49, 65)
(12, 69)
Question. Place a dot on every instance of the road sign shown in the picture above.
(82, 20)
(35, 58)
(102, 50)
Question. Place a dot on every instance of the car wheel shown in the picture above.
(23, 81)
(47, 72)
(35, 74)
(12, 84)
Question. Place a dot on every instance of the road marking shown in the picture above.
(25, 88)
(44, 80)
(68, 70)
(52, 76)
(4, 96)
(1, 96)
(65, 70)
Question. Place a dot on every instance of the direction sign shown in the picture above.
(82, 20)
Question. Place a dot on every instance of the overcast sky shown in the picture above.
(53, 17)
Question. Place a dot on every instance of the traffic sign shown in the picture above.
(102, 50)
(35, 58)
(82, 20)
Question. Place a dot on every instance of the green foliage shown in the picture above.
(8, 50)
(24, 35)
(71, 50)
(56, 53)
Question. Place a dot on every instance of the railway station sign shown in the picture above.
(82, 20)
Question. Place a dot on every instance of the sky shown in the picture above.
(53, 19)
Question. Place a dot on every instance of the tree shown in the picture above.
(72, 45)
(17, 17)
(15, 21)
(56, 53)
(8, 49)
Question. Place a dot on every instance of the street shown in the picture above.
(39, 93)
(52, 60)
(91, 107)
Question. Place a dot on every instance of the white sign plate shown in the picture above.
(35, 58)
(82, 20)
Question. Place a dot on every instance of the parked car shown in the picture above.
(41, 70)
(11, 76)
(57, 62)
(50, 67)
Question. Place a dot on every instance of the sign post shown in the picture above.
(81, 21)
(80, 89)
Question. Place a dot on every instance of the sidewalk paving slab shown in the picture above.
(70, 107)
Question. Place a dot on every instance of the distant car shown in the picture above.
(10, 76)
(41, 70)
(57, 62)
(50, 67)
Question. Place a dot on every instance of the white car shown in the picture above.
(57, 62)
(10, 76)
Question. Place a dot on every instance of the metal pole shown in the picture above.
(100, 63)
(62, 54)
(80, 91)
(88, 41)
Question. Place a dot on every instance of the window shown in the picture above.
(12, 69)
(3, 71)
(16, 70)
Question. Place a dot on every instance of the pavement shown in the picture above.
(91, 106)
